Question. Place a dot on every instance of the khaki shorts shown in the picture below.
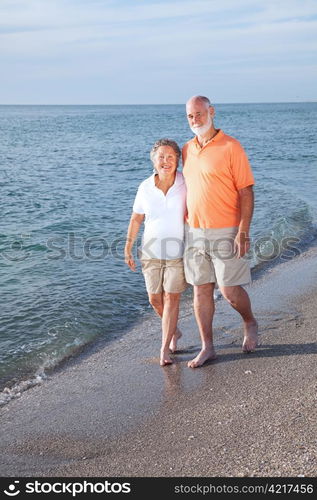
(209, 258)
(164, 275)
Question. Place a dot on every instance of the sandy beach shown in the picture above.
(116, 412)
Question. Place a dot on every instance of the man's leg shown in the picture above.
(157, 302)
(169, 324)
(239, 299)
(204, 310)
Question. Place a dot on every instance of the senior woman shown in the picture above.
(161, 203)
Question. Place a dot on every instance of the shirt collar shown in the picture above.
(177, 182)
(219, 135)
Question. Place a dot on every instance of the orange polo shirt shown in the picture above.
(213, 176)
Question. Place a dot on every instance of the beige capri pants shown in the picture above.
(164, 275)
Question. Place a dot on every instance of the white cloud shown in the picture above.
(63, 13)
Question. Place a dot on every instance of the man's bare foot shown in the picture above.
(165, 358)
(173, 344)
(202, 357)
(250, 341)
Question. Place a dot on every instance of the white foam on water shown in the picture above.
(16, 390)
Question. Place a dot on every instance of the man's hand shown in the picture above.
(241, 244)
(242, 240)
(130, 261)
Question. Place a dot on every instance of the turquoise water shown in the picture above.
(68, 179)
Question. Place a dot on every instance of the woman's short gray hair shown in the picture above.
(165, 142)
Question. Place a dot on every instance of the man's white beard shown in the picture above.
(203, 129)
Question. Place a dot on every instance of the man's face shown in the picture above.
(199, 116)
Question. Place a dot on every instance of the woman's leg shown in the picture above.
(157, 302)
(169, 324)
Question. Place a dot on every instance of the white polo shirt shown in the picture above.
(163, 236)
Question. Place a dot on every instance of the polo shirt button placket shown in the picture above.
(165, 199)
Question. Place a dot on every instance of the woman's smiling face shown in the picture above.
(165, 161)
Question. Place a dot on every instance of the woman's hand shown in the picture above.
(129, 260)
(133, 229)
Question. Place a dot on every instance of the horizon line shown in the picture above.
(157, 104)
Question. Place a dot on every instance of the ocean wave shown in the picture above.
(17, 389)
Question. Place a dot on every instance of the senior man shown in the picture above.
(220, 204)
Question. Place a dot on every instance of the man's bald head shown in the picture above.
(199, 99)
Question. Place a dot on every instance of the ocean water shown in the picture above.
(68, 178)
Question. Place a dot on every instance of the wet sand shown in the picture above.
(117, 413)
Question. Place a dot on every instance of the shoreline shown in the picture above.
(249, 415)
(11, 389)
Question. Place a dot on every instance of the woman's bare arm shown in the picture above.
(133, 229)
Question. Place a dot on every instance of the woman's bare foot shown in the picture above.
(204, 355)
(250, 341)
(165, 358)
(173, 344)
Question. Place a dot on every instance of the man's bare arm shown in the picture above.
(242, 240)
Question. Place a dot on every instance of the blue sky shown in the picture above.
(130, 52)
